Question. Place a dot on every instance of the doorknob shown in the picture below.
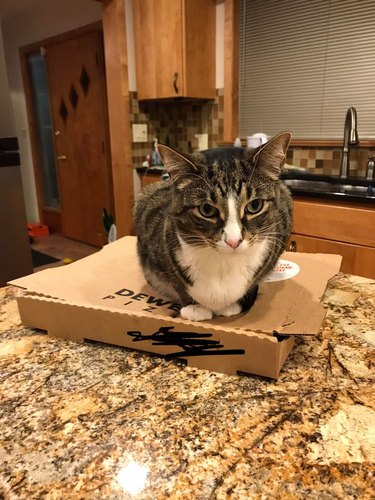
(62, 157)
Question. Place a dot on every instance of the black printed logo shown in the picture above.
(192, 343)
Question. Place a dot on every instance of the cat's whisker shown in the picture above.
(190, 239)
(192, 174)
(252, 173)
(278, 247)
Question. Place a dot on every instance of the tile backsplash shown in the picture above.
(176, 123)
(326, 160)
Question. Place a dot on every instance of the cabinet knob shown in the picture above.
(293, 246)
(175, 78)
(61, 157)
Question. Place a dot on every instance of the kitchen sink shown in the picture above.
(332, 188)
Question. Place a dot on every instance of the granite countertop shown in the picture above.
(94, 421)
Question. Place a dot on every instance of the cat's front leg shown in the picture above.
(230, 310)
(195, 312)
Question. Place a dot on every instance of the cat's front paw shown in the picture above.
(195, 312)
(229, 310)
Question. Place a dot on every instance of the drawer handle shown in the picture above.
(175, 78)
(293, 246)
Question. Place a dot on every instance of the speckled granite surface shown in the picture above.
(91, 421)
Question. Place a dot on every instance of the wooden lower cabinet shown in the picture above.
(149, 178)
(357, 259)
(347, 229)
(348, 222)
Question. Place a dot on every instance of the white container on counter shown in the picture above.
(255, 140)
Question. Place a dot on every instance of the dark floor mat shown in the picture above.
(42, 259)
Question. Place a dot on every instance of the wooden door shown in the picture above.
(77, 90)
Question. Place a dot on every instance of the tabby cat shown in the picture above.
(211, 233)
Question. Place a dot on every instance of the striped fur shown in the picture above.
(210, 234)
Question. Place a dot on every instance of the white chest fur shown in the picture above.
(220, 279)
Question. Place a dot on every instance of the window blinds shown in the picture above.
(303, 63)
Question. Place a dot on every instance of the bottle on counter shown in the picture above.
(155, 156)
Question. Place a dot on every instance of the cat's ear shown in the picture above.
(174, 162)
(271, 157)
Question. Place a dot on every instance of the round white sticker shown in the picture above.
(284, 270)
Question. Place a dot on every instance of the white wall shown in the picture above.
(43, 20)
(7, 127)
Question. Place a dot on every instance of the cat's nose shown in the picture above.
(233, 242)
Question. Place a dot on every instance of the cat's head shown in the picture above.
(227, 198)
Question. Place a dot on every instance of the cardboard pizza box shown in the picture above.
(105, 298)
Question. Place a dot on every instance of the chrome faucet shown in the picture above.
(350, 139)
(370, 170)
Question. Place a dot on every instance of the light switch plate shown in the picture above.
(139, 132)
(202, 141)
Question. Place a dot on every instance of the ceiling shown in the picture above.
(10, 8)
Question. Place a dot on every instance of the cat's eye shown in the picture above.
(254, 206)
(208, 210)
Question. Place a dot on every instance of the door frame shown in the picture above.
(51, 216)
(116, 62)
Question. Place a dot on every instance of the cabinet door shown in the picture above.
(158, 33)
(175, 48)
(199, 48)
(333, 221)
(357, 259)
